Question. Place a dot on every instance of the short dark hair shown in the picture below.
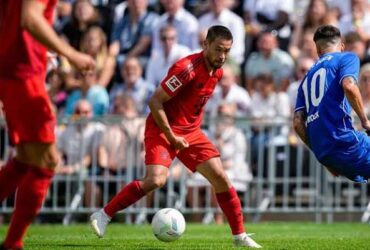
(326, 33)
(352, 37)
(218, 31)
(265, 78)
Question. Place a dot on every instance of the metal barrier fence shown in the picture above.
(286, 178)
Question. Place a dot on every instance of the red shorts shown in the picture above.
(158, 150)
(28, 111)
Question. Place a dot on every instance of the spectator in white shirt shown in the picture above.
(271, 16)
(219, 14)
(133, 84)
(269, 59)
(79, 140)
(185, 23)
(268, 109)
(228, 91)
(266, 102)
(303, 65)
(161, 59)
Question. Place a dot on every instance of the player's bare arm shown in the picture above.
(156, 107)
(33, 20)
(354, 97)
(299, 124)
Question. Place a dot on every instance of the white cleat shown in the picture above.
(246, 241)
(99, 221)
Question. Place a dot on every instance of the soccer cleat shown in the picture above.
(246, 241)
(99, 221)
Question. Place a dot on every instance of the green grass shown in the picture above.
(199, 237)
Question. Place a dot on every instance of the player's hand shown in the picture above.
(82, 62)
(179, 142)
(366, 126)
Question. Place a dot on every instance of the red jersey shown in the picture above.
(21, 55)
(190, 85)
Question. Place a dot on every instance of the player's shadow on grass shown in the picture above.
(152, 248)
(79, 246)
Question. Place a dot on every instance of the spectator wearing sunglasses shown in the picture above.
(90, 90)
(161, 59)
(302, 67)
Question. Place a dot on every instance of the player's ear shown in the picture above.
(318, 49)
(205, 44)
(342, 47)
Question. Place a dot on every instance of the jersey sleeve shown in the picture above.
(349, 66)
(300, 102)
(179, 75)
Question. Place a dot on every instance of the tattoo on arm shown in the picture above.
(299, 123)
(353, 95)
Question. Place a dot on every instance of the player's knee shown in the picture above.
(221, 177)
(154, 182)
(52, 159)
(158, 182)
(221, 183)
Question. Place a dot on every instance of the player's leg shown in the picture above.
(202, 156)
(354, 163)
(225, 194)
(11, 174)
(41, 160)
(158, 157)
(227, 199)
(156, 176)
(31, 126)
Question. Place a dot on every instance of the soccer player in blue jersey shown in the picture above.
(322, 117)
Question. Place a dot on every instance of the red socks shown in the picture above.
(126, 197)
(230, 205)
(29, 198)
(10, 176)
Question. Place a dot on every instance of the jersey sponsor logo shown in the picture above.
(173, 83)
(313, 117)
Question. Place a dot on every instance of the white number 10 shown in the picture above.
(315, 99)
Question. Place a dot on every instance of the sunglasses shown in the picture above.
(303, 70)
(82, 112)
(171, 38)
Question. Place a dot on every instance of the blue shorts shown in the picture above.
(353, 161)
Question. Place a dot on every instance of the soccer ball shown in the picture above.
(168, 224)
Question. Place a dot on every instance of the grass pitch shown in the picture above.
(200, 237)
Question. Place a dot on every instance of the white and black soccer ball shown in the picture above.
(168, 224)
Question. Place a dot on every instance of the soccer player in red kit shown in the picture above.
(173, 130)
(25, 33)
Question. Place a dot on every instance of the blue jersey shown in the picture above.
(329, 123)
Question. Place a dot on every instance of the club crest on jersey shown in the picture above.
(173, 83)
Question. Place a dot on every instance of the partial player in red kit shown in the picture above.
(26, 33)
(173, 130)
